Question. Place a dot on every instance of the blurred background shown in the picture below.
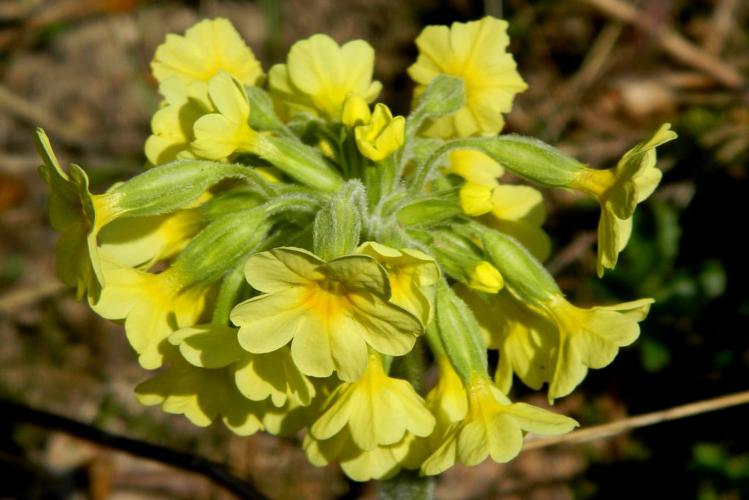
(602, 74)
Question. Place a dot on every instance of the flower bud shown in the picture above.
(484, 277)
(382, 136)
(338, 225)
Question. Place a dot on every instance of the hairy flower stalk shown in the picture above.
(292, 247)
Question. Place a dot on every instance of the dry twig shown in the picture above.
(656, 417)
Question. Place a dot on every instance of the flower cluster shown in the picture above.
(293, 250)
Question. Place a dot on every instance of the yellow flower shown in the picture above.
(369, 425)
(319, 75)
(589, 338)
(210, 46)
(152, 306)
(382, 136)
(476, 53)
(201, 395)
(220, 134)
(412, 275)
(493, 426)
(619, 190)
(515, 210)
(329, 311)
(484, 277)
(78, 216)
(258, 377)
(376, 409)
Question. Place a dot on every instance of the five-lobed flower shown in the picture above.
(329, 311)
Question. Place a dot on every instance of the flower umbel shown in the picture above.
(293, 249)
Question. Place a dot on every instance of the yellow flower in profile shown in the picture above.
(78, 216)
(369, 425)
(329, 311)
(515, 210)
(619, 190)
(319, 75)
(376, 409)
(206, 48)
(202, 395)
(258, 377)
(589, 338)
(476, 53)
(493, 427)
(412, 275)
(382, 136)
(152, 306)
(218, 135)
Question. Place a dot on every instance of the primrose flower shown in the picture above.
(376, 409)
(329, 311)
(319, 75)
(208, 47)
(619, 190)
(152, 306)
(412, 275)
(202, 395)
(382, 136)
(369, 425)
(476, 53)
(258, 377)
(589, 338)
(79, 216)
(493, 426)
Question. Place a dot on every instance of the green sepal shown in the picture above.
(523, 273)
(221, 244)
(528, 157)
(428, 210)
(299, 161)
(174, 185)
(459, 333)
